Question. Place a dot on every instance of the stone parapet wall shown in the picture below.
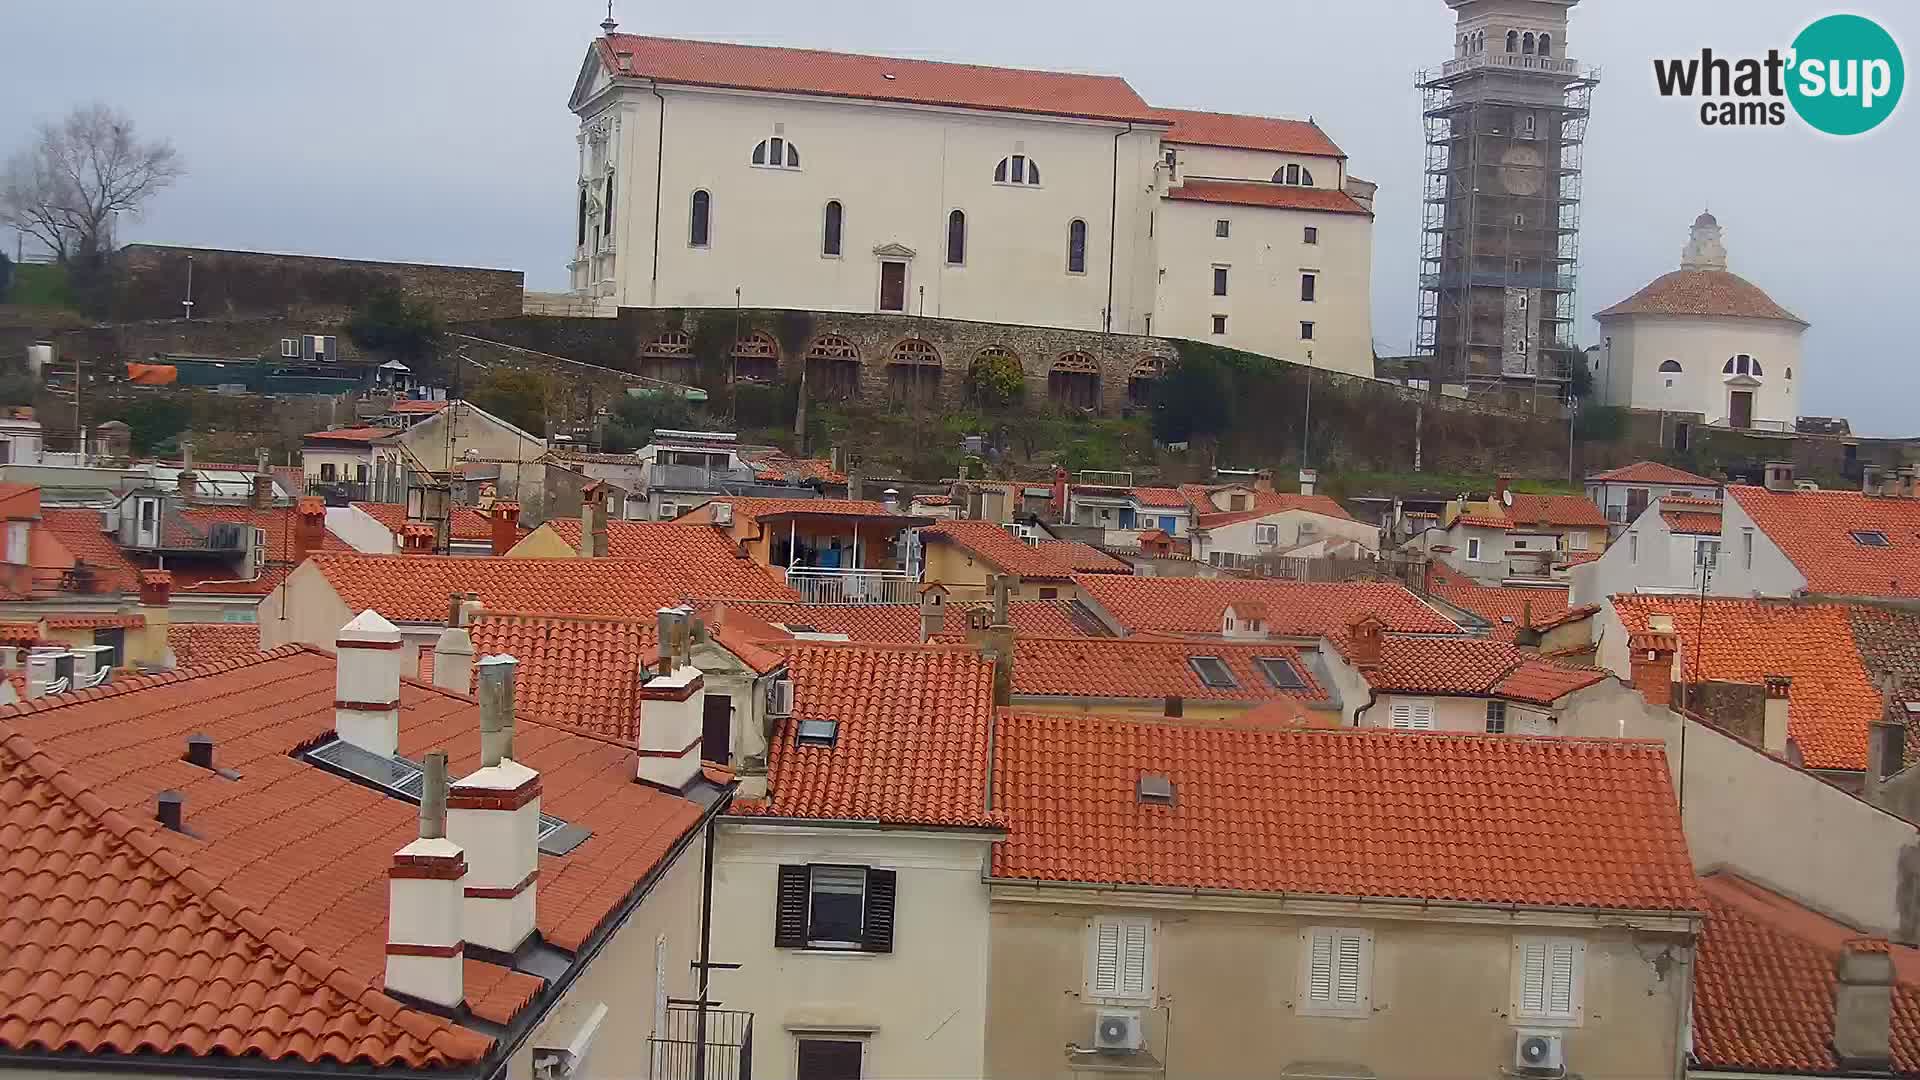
(228, 284)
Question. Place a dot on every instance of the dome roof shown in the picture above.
(1705, 219)
(1702, 292)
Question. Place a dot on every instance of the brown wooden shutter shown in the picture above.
(790, 909)
(879, 922)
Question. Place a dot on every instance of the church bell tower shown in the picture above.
(1505, 123)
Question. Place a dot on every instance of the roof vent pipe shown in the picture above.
(200, 751)
(496, 709)
(433, 796)
(171, 810)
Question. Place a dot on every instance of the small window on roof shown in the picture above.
(1280, 672)
(1156, 788)
(1870, 538)
(817, 732)
(401, 778)
(1213, 672)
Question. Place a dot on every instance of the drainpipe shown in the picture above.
(659, 164)
(706, 947)
(1113, 222)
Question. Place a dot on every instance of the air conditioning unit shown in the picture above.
(723, 513)
(289, 348)
(780, 697)
(1117, 1031)
(1539, 1052)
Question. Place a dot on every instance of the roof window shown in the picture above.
(1155, 789)
(1213, 672)
(817, 733)
(1870, 538)
(1280, 673)
(401, 778)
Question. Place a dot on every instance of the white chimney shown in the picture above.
(366, 695)
(1308, 479)
(426, 953)
(453, 653)
(1774, 712)
(890, 499)
(672, 708)
(493, 813)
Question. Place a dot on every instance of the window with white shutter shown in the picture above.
(1337, 972)
(1120, 959)
(1411, 714)
(1548, 974)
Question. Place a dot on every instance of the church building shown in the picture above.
(713, 174)
(1703, 340)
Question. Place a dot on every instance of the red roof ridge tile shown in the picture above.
(456, 1042)
(784, 644)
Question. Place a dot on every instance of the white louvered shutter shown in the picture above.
(1533, 978)
(1561, 971)
(1106, 957)
(1320, 968)
(1133, 966)
(1346, 989)
(1412, 716)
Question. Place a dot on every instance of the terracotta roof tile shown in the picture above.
(900, 623)
(1701, 292)
(1507, 607)
(775, 465)
(1549, 822)
(876, 78)
(1151, 669)
(304, 853)
(1813, 529)
(1259, 503)
(1247, 132)
(1262, 193)
(1007, 552)
(83, 534)
(19, 633)
(1685, 516)
(1764, 985)
(580, 671)
(911, 747)
(194, 644)
(1474, 667)
(352, 435)
(95, 622)
(1084, 558)
(415, 588)
(1484, 519)
(1832, 699)
(1556, 510)
(1195, 605)
(1651, 472)
(467, 523)
(220, 577)
(753, 509)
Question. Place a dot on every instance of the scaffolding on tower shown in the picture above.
(1500, 226)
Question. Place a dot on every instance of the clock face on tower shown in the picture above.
(1520, 170)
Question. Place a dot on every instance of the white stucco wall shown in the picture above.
(1238, 163)
(346, 462)
(1648, 557)
(1238, 537)
(1631, 376)
(922, 1007)
(360, 531)
(1768, 573)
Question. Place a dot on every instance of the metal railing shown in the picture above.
(695, 478)
(674, 1053)
(830, 585)
(1755, 425)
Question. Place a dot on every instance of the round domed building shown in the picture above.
(1705, 340)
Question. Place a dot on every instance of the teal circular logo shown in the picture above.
(1847, 75)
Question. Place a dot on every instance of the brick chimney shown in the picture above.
(262, 491)
(593, 521)
(1651, 665)
(453, 653)
(416, 538)
(998, 642)
(505, 519)
(1059, 499)
(309, 528)
(1863, 1005)
(933, 611)
(426, 952)
(672, 708)
(493, 813)
(156, 592)
(366, 695)
(1773, 725)
(1365, 642)
(186, 483)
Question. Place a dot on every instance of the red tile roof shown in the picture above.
(1247, 132)
(95, 622)
(900, 623)
(1484, 519)
(19, 633)
(1650, 472)
(754, 509)
(1259, 504)
(579, 671)
(1195, 605)
(911, 748)
(118, 941)
(1832, 700)
(1702, 292)
(405, 407)
(415, 588)
(1084, 558)
(1563, 511)
(1261, 193)
(1697, 516)
(875, 78)
(774, 465)
(302, 853)
(1474, 667)
(194, 644)
(1352, 813)
(1007, 552)
(466, 524)
(1506, 607)
(1813, 530)
(1764, 985)
(1150, 669)
(220, 577)
(82, 533)
(1169, 498)
(352, 434)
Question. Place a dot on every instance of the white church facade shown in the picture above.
(1703, 340)
(711, 174)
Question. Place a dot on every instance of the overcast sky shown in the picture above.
(438, 131)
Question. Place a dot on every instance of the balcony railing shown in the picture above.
(1756, 425)
(1552, 65)
(694, 478)
(829, 585)
(676, 1051)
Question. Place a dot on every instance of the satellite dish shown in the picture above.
(1506, 497)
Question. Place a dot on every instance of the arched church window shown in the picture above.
(606, 222)
(1076, 247)
(830, 242)
(776, 153)
(1546, 44)
(1670, 365)
(1513, 41)
(1016, 169)
(700, 224)
(956, 238)
(1742, 364)
(1293, 176)
(582, 241)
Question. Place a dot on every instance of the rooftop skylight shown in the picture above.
(1280, 672)
(1213, 672)
(1870, 538)
(401, 778)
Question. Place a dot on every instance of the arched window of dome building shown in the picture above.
(1670, 365)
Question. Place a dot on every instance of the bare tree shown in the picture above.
(66, 186)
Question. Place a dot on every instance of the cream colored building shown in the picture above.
(710, 174)
(1703, 340)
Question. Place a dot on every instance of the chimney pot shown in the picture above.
(433, 796)
(200, 751)
(505, 521)
(171, 810)
(1863, 1005)
(427, 909)
(262, 492)
(1775, 711)
(496, 709)
(1651, 666)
